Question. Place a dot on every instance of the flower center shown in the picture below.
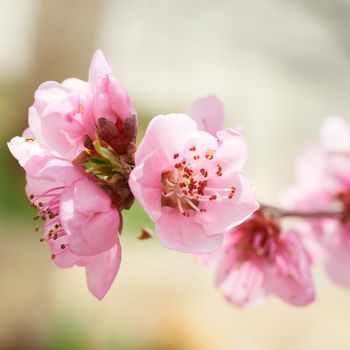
(344, 199)
(112, 170)
(186, 187)
(258, 237)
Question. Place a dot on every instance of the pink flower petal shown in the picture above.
(178, 232)
(338, 257)
(147, 188)
(335, 134)
(100, 66)
(48, 93)
(24, 150)
(100, 273)
(232, 151)
(90, 233)
(221, 215)
(168, 134)
(89, 199)
(290, 277)
(110, 100)
(209, 114)
(244, 285)
(50, 168)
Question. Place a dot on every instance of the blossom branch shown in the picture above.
(280, 213)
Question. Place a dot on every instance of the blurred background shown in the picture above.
(279, 67)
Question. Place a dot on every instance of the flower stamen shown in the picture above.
(186, 187)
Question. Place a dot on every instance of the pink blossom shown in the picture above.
(63, 114)
(109, 99)
(208, 112)
(323, 183)
(258, 259)
(190, 183)
(80, 224)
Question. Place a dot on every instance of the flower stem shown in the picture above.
(280, 213)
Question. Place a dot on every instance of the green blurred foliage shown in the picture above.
(14, 204)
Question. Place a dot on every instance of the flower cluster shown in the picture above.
(83, 169)
(77, 154)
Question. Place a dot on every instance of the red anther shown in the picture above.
(31, 196)
(196, 157)
(193, 148)
(203, 172)
(213, 197)
(177, 165)
(63, 246)
(203, 210)
(176, 155)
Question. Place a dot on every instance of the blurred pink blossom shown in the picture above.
(323, 183)
(258, 259)
(191, 184)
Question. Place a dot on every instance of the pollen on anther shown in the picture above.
(80, 108)
(209, 155)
